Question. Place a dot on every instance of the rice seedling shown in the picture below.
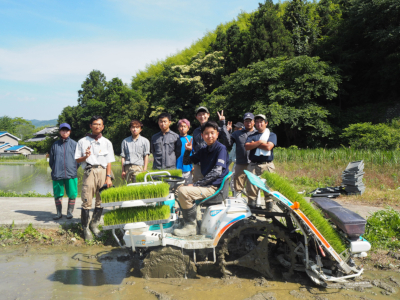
(140, 176)
(138, 192)
(136, 214)
(383, 229)
(281, 185)
(378, 157)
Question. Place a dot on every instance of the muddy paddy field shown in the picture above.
(77, 271)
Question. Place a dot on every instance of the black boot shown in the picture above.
(85, 225)
(58, 202)
(71, 205)
(190, 226)
(94, 223)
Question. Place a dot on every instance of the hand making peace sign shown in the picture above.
(229, 126)
(188, 145)
(221, 115)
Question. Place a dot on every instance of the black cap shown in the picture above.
(239, 125)
(201, 108)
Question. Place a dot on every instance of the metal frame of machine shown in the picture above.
(219, 219)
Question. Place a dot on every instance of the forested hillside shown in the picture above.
(313, 68)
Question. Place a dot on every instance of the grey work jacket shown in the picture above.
(166, 148)
(62, 160)
(239, 137)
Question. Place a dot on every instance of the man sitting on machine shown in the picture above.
(213, 160)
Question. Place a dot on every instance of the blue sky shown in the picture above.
(47, 48)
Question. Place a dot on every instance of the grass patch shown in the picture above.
(28, 194)
(9, 236)
(383, 229)
(280, 184)
(126, 193)
(140, 176)
(42, 162)
(13, 158)
(136, 214)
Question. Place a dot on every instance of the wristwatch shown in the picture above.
(109, 176)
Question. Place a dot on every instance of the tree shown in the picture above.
(114, 101)
(367, 51)
(267, 37)
(24, 131)
(123, 104)
(6, 124)
(19, 127)
(301, 20)
(180, 89)
(232, 44)
(293, 93)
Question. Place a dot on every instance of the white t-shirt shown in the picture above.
(102, 151)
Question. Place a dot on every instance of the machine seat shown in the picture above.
(220, 195)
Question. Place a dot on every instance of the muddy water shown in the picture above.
(107, 273)
(28, 177)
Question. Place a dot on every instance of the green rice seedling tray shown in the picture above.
(138, 192)
(136, 214)
(121, 226)
(276, 182)
(134, 203)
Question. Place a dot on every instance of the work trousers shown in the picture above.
(133, 170)
(258, 169)
(188, 194)
(71, 187)
(92, 182)
(240, 177)
(197, 173)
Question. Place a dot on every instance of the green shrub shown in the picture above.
(383, 229)
(281, 185)
(136, 214)
(140, 176)
(369, 136)
(138, 192)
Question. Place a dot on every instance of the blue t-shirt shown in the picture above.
(260, 159)
(208, 157)
(179, 161)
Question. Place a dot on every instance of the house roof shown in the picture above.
(36, 139)
(7, 133)
(47, 130)
(5, 145)
(18, 148)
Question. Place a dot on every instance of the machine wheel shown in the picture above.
(253, 245)
(167, 262)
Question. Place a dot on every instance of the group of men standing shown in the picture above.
(203, 159)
